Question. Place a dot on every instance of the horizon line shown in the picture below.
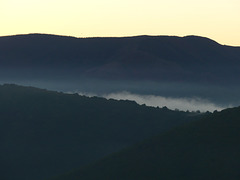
(127, 36)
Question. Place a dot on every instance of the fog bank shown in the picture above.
(191, 104)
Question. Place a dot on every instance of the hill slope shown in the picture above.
(160, 58)
(207, 149)
(167, 66)
(44, 133)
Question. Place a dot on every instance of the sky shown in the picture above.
(216, 19)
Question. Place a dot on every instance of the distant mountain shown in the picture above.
(158, 58)
(45, 133)
(207, 149)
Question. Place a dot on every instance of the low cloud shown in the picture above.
(191, 104)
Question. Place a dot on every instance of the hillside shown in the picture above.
(158, 58)
(207, 149)
(45, 133)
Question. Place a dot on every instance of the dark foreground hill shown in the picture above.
(207, 149)
(45, 133)
(158, 58)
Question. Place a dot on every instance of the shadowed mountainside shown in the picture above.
(207, 149)
(159, 58)
(167, 66)
(44, 133)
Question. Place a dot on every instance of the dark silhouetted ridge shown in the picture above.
(207, 149)
(45, 133)
(158, 58)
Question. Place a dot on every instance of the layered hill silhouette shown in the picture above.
(207, 149)
(159, 58)
(45, 133)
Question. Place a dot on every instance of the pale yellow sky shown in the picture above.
(216, 19)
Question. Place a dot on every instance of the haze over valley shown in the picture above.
(119, 90)
(195, 70)
(142, 107)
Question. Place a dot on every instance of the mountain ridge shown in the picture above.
(158, 58)
(44, 133)
(205, 149)
(110, 37)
